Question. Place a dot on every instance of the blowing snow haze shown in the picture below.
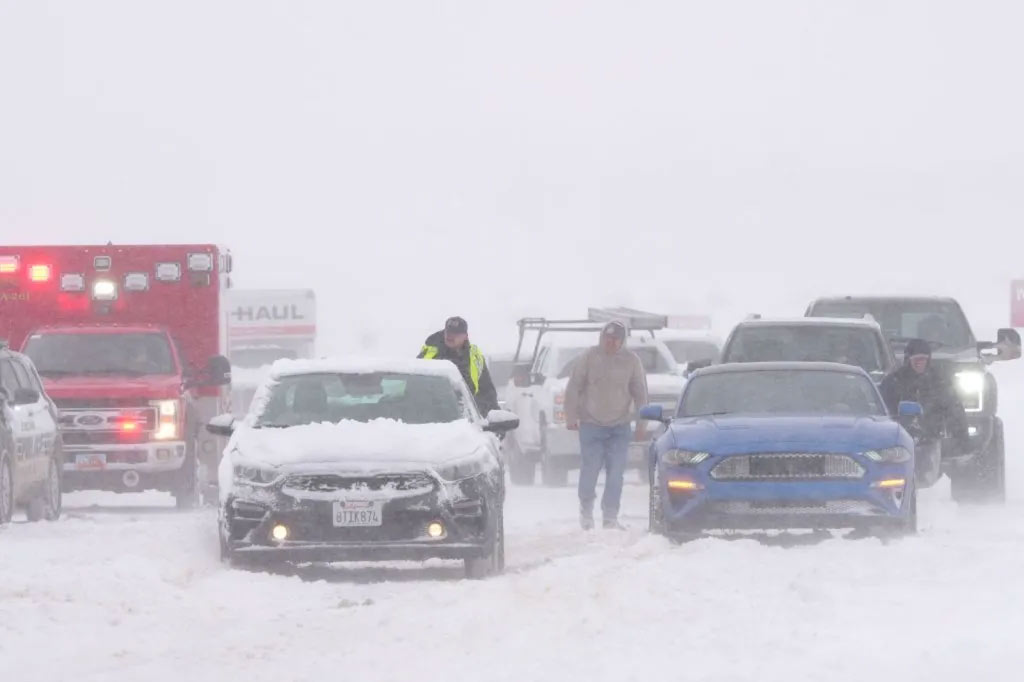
(411, 161)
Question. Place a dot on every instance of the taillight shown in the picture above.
(39, 273)
(9, 265)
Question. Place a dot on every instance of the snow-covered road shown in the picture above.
(136, 592)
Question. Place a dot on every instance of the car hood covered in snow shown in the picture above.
(381, 444)
(773, 433)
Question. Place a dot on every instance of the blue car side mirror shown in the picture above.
(908, 408)
(654, 413)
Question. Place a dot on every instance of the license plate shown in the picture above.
(91, 460)
(358, 513)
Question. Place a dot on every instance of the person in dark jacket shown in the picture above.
(918, 381)
(452, 343)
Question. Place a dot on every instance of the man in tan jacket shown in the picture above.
(606, 388)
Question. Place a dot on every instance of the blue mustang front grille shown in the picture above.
(786, 466)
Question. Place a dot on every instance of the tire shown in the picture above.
(909, 526)
(47, 503)
(493, 562)
(6, 489)
(522, 470)
(655, 506)
(552, 474)
(983, 481)
(186, 494)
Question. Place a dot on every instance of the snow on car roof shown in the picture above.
(365, 365)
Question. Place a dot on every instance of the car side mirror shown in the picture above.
(500, 421)
(221, 425)
(537, 379)
(654, 413)
(25, 396)
(1008, 344)
(521, 376)
(218, 371)
(908, 408)
(5, 397)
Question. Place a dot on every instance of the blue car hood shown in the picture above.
(738, 433)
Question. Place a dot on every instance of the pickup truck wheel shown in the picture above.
(552, 474)
(522, 470)
(493, 562)
(6, 489)
(983, 481)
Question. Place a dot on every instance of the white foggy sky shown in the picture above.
(412, 160)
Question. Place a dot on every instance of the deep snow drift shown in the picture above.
(124, 590)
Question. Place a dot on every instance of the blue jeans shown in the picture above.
(603, 447)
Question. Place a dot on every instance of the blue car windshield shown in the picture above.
(790, 391)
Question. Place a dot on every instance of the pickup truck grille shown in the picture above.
(786, 466)
(106, 425)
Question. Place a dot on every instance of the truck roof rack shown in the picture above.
(597, 318)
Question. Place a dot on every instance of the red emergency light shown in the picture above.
(40, 273)
(8, 265)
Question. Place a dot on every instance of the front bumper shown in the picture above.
(466, 510)
(144, 458)
(788, 504)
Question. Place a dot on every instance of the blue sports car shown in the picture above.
(782, 445)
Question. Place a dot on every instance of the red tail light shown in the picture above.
(39, 273)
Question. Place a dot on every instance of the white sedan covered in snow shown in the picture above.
(364, 460)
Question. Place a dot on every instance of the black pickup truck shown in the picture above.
(980, 475)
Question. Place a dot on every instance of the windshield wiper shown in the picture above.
(709, 414)
(273, 425)
(55, 372)
(117, 372)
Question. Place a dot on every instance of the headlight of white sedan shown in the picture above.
(971, 387)
(462, 469)
(251, 474)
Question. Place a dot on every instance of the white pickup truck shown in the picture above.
(538, 398)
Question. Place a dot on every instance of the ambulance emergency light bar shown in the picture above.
(200, 265)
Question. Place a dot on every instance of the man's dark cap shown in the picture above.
(615, 329)
(456, 325)
(918, 347)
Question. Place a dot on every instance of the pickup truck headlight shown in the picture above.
(462, 469)
(250, 474)
(167, 413)
(971, 387)
(684, 457)
(896, 454)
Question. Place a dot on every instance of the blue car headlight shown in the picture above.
(251, 474)
(684, 457)
(895, 454)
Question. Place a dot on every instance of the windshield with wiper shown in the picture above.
(856, 346)
(940, 322)
(788, 391)
(330, 397)
(129, 354)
